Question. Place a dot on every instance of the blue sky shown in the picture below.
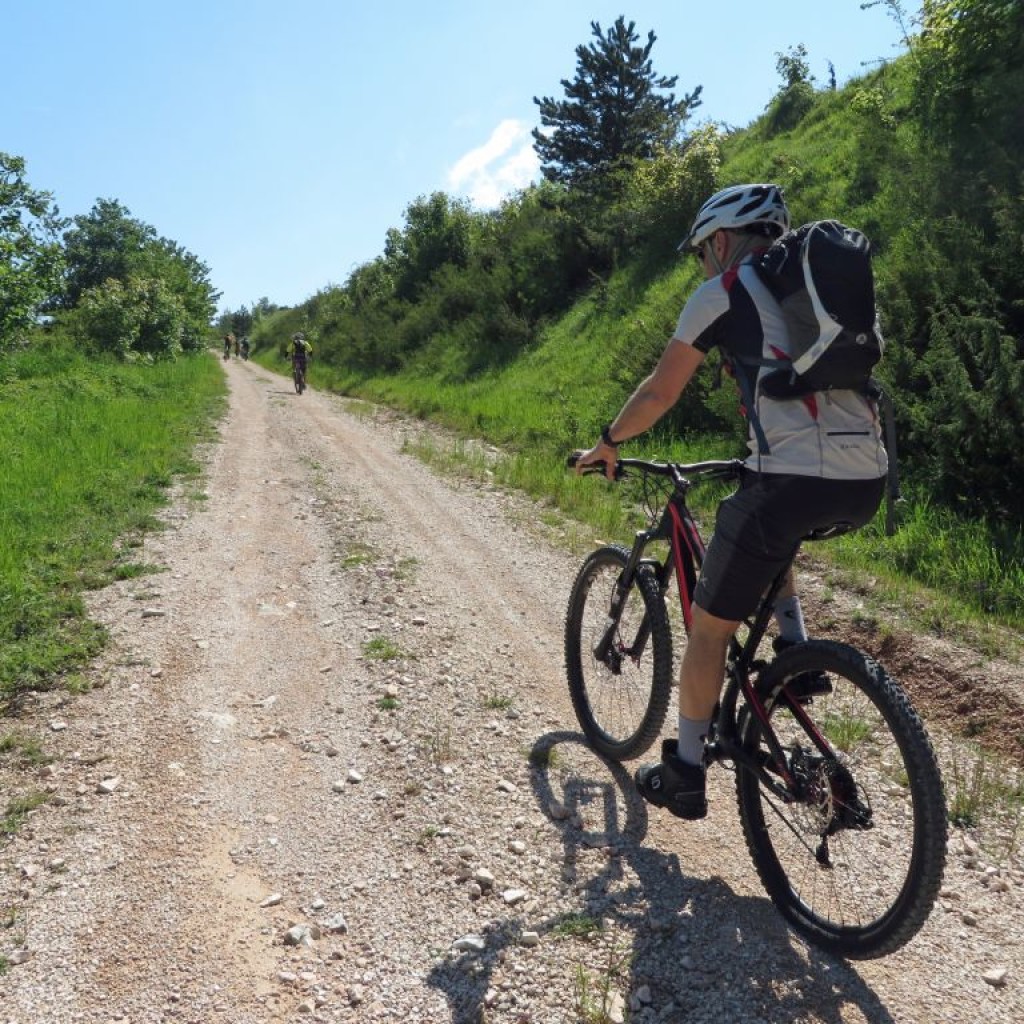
(278, 141)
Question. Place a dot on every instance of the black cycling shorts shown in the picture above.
(758, 531)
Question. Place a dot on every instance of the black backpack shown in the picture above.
(821, 276)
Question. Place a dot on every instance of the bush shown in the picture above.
(789, 108)
(140, 316)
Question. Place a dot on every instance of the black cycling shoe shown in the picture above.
(808, 685)
(675, 785)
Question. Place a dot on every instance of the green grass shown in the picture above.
(357, 554)
(439, 741)
(949, 576)
(90, 449)
(979, 787)
(845, 731)
(545, 757)
(23, 750)
(577, 926)
(429, 833)
(18, 810)
(595, 989)
(381, 649)
(495, 701)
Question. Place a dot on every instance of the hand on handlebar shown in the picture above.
(597, 459)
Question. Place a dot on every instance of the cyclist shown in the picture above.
(825, 465)
(299, 351)
(228, 341)
(245, 348)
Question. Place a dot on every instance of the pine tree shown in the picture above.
(613, 113)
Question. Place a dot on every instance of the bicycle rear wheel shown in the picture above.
(621, 699)
(854, 860)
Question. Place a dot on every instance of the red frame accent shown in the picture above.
(684, 531)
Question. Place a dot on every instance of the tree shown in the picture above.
(105, 243)
(792, 66)
(242, 321)
(970, 60)
(188, 279)
(613, 114)
(437, 230)
(30, 251)
(796, 97)
(108, 244)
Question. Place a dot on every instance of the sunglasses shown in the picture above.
(699, 253)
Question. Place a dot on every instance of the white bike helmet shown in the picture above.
(739, 206)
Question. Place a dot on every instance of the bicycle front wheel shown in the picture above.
(621, 697)
(853, 854)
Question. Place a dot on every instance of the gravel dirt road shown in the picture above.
(328, 771)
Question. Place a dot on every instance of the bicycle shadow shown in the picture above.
(692, 941)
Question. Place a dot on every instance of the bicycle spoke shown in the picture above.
(620, 691)
(855, 858)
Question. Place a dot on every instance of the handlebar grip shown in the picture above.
(594, 467)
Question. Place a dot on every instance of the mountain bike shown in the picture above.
(299, 376)
(840, 795)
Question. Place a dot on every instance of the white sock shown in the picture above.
(690, 745)
(790, 619)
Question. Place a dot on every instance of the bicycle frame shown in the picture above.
(806, 804)
(685, 558)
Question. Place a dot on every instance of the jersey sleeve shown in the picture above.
(701, 316)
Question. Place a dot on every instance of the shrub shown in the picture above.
(139, 316)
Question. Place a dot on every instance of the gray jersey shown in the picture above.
(830, 434)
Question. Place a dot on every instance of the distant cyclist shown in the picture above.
(299, 351)
(228, 342)
(245, 348)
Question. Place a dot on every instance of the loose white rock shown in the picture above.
(996, 976)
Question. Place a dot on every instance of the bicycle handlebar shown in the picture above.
(712, 468)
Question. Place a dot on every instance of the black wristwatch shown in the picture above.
(606, 436)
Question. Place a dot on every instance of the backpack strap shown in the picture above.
(747, 392)
(749, 399)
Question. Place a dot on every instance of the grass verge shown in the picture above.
(90, 449)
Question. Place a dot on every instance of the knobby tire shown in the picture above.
(874, 887)
(621, 710)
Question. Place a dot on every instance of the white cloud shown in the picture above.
(504, 163)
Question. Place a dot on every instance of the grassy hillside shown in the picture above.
(529, 325)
